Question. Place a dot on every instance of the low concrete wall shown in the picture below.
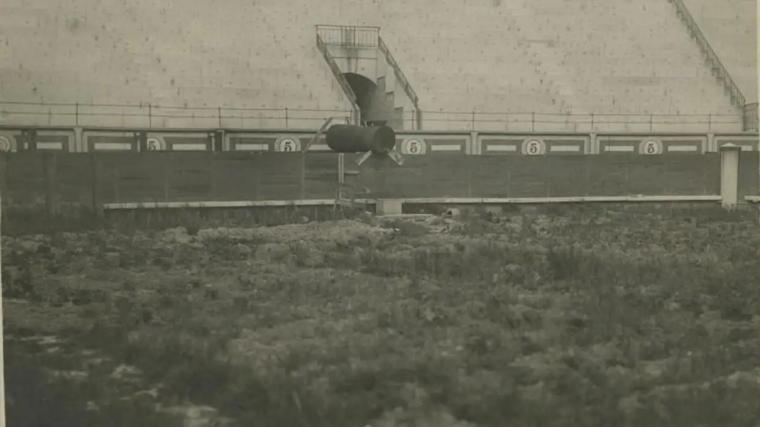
(408, 142)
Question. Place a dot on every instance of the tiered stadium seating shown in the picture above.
(732, 31)
(600, 56)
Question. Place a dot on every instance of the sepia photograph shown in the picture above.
(379, 213)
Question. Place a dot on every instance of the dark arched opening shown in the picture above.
(367, 98)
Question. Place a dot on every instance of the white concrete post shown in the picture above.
(341, 175)
(2, 360)
(389, 206)
(729, 175)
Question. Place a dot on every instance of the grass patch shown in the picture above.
(624, 317)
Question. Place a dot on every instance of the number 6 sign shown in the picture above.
(5, 144)
(154, 144)
(534, 147)
(650, 147)
(288, 145)
(413, 147)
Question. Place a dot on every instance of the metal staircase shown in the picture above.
(402, 81)
(711, 58)
(322, 46)
(361, 50)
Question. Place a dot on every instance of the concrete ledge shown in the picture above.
(431, 200)
(408, 216)
(752, 199)
(217, 204)
(579, 199)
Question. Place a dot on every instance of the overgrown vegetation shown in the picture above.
(579, 316)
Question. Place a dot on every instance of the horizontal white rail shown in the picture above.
(424, 200)
(579, 199)
(217, 204)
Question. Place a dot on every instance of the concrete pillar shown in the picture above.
(2, 361)
(79, 145)
(217, 140)
(729, 175)
(473, 146)
(593, 144)
(388, 206)
(712, 146)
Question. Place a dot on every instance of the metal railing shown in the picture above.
(163, 116)
(568, 122)
(401, 78)
(349, 36)
(696, 31)
(751, 117)
(322, 46)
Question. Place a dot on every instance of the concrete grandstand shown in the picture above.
(552, 65)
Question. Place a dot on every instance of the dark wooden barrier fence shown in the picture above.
(67, 184)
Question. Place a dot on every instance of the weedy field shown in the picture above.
(572, 316)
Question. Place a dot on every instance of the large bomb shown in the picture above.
(357, 139)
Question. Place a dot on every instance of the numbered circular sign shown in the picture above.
(155, 144)
(413, 147)
(650, 147)
(534, 147)
(5, 144)
(287, 144)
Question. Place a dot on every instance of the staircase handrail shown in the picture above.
(397, 71)
(697, 31)
(360, 36)
(338, 75)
